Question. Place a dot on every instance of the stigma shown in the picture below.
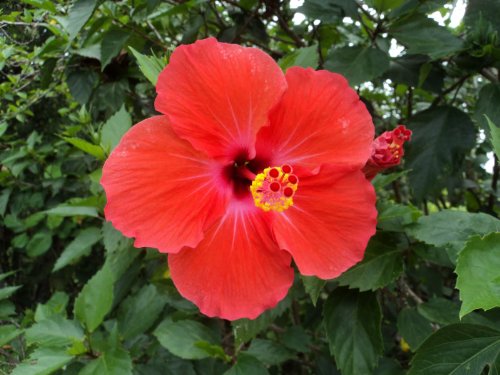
(274, 188)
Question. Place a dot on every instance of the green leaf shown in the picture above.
(385, 5)
(494, 136)
(79, 247)
(81, 83)
(486, 107)
(180, 338)
(7, 291)
(481, 11)
(114, 129)
(407, 69)
(458, 349)
(353, 327)
(306, 57)
(442, 136)
(56, 305)
(39, 244)
(66, 210)
(478, 273)
(313, 286)
(396, 217)
(134, 318)
(329, 10)
(247, 365)
(269, 352)
(413, 327)
(54, 332)
(421, 34)
(439, 310)
(43, 361)
(452, 228)
(4, 199)
(95, 299)
(297, 339)
(8, 333)
(382, 263)
(78, 15)
(113, 239)
(358, 64)
(87, 147)
(150, 66)
(112, 43)
(113, 361)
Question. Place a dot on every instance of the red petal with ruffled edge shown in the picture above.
(320, 119)
(329, 225)
(160, 190)
(237, 271)
(218, 95)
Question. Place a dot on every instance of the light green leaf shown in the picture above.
(358, 64)
(112, 43)
(87, 147)
(269, 352)
(180, 338)
(458, 349)
(54, 332)
(7, 291)
(66, 210)
(478, 273)
(486, 105)
(95, 299)
(43, 361)
(8, 333)
(247, 365)
(113, 239)
(453, 228)
(494, 136)
(396, 217)
(150, 66)
(56, 305)
(134, 318)
(422, 35)
(113, 361)
(306, 57)
(114, 129)
(442, 136)
(413, 327)
(353, 327)
(382, 263)
(79, 247)
(78, 15)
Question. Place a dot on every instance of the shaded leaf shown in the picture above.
(79, 247)
(112, 43)
(269, 352)
(413, 327)
(313, 286)
(247, 365)
(43, 361)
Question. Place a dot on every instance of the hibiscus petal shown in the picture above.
(218, 95)
(237, 271)
(329, 225)
(159, 189)
(320, 119)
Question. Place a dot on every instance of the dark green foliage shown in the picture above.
(76, 297)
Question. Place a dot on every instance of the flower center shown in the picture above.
(274, 188)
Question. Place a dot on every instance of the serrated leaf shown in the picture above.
(56, 305)
(329, 10)
(421, 34)
(79, 247)
(7, 291)
(113, 239)
(353, 327)
(180, 338)
(358, 64)
(114, 129)
(133, 317)
(269, 352)
(81, 83)
(382, 263)
(494, 136)
(439, 310)
(442, 136)
(150, 66)
(54, 332)
(87, 147)
(43, 361)
(306, 57)
(413, 327)
(112, 43)
(486, 105)
(78, 15)
(458, 349)
(247, 365)
(453, 228)
(478, 273)
(113, 361)
(95, 299)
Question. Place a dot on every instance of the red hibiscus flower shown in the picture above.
(387, 151)
(246, 169)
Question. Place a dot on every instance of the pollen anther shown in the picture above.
(274, 188)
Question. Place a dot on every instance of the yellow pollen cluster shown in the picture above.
(274, 188)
